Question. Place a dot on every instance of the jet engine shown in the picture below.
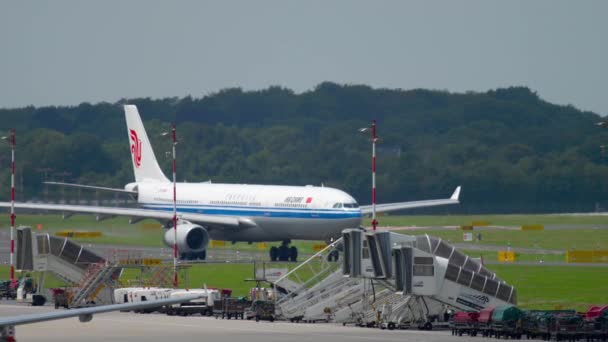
(190, 237)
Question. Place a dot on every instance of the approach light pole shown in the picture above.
(174, 139)
(12, 142)
(372, 128)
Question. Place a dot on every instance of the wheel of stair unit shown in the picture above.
(391, 326)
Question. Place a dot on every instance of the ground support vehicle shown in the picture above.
(27, 292)
(566, 327)
(261, 310)
(596, 323)
(507, 322)
(202, 306)
(231, 307)
(7, 290)
(464, 323)
(484, 322)
(61, 297)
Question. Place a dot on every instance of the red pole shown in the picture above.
(175, 283)
(13, 216)
(374, 138)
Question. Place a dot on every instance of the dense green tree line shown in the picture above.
(511, 151)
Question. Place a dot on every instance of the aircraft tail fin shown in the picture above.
(145, 166)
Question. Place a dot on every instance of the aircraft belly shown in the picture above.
(277, 229)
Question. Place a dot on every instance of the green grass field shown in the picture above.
(548, 287)
(561, 239)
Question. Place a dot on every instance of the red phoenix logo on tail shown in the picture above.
(135, 148)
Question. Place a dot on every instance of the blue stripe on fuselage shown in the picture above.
(275, 212)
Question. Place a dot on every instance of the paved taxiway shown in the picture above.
(157, 327)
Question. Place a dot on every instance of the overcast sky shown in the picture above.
(68, 52)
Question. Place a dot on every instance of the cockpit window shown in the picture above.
(338, 205)
(351, 205)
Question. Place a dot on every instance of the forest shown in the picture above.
(511, 151)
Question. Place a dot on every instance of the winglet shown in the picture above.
(456, 194)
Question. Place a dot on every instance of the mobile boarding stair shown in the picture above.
(92, 276)
(389, 280)
(427, 274)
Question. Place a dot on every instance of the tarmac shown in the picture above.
(119, 326)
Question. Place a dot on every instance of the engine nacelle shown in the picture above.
(190, 238)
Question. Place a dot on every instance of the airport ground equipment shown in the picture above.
(261, 310)
(203, 305)
(430, 274)
(29, 292)
(231, 307)
(464, 323)
(484, 322)
(93, 275)
(507, 322)
(7, 290)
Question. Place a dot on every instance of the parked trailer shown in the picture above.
(596, 323)
(507, 322)
(484, 322)
(231, 307)
(202, 306)
(566, 327)
(464, 323)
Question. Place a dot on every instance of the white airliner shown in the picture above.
(230, 212)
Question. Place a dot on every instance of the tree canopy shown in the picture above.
(510, 150)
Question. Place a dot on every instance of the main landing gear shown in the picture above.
(284, 252)
(194, 255)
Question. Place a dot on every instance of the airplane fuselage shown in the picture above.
(277, 212)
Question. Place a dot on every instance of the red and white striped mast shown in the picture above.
(374, 140)
(13, 216)
(174, 137)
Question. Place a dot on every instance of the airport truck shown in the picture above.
(202, 306)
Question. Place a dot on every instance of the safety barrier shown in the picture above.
(506, 256)
(78, 234)
(593, 256)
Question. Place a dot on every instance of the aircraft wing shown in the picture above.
(214, 220)
(7, 324)
(381, 208)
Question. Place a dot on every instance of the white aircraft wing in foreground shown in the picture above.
(380, 208)
(211, 220)
(7, 324)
